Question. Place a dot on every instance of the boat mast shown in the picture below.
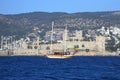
(51, 47)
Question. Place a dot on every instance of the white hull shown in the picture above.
(59, 56)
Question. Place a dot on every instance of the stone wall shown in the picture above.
(26, 52)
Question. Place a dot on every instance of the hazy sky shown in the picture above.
(71, 6)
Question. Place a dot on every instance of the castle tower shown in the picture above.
(65, 34)
(100, 41)
(79, 34)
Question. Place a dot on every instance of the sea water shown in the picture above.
(75, 68)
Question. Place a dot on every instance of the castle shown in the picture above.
(69, 42)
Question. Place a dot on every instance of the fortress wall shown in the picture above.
(26, 52)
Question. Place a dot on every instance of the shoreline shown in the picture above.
(81, 53)
(77, 54)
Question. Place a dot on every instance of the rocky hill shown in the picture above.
(19, 24)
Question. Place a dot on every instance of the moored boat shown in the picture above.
(58, 56)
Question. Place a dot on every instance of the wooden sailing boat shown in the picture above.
(59, 54)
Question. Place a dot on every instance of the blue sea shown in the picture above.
(76, 68)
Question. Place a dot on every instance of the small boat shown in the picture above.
(59, 55)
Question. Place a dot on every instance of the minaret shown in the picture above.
(51, 47)
(65, 35)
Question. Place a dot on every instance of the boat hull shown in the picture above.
(58, 56)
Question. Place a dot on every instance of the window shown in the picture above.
(76, 46)
(87, 50)
(83, 45)
(35, 47)
(75, 39)
(29, 47)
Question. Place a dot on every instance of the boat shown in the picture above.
(59, 54)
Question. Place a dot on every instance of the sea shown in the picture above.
(75, 68)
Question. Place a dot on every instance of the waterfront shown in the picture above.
(75, 68)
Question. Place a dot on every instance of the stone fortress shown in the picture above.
(69, 42)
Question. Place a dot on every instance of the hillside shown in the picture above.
(20, 24)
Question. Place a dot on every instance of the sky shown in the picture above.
(69, 6)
